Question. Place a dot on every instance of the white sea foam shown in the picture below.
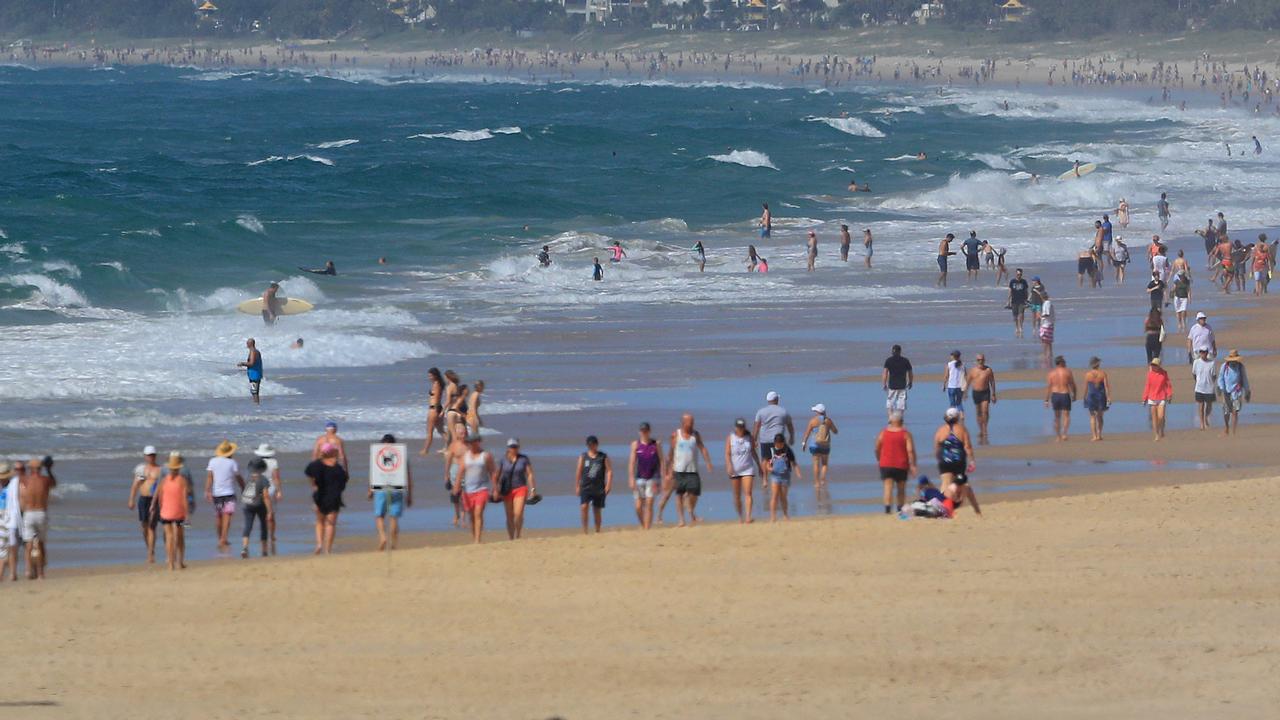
(150, 232)
(251, 223)
(745, 158)
(335, 144)
(61, 267)
(265, 160)
(313, 158)
(46, 292)
(996, 162)
(113, 264)
(13, 248)
(469, 135)
(901, 158)
(851, 126)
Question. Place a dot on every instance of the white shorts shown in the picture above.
(896, 400)
(35, 525)
(645, 489)
(4, 544)
(1155, 403)
(1180, 304)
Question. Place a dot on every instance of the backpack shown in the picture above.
(823, 436)
(253, 491)
(951, 451)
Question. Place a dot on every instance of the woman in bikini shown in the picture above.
(435, 408)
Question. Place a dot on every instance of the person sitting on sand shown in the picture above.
(930, 502)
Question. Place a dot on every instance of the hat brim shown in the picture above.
(6, 475)
(227, 450)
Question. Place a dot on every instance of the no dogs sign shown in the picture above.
(388, 466)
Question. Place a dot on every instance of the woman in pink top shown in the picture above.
(1157, 393)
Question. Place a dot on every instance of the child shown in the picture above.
(256, 499)
(930, 503)
(779, 468)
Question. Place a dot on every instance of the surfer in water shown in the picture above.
(921, 156)
(1257, 146)
(1076, 168)
(544, 257)
(855, 187)
(328, 269)
(700, 253)
(271, 305)
(618, 252)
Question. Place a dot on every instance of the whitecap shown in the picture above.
(313, 158)
(61, 266)
(268, 159)
(47, 293)
(113, 264)
(468, 135)
(745, 158)
(335, 144)
(251, 223)
(851, 126)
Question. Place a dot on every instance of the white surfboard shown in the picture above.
(288, 306)
(1084, 170)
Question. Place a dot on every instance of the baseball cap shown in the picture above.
(819, 408)
(922, 480)
(331, 424)
(1035, 278)
(1201, 316)
(513, 442)
(740, 422)
(644, 425)
(149, 450)
(593, 440)
(771, 396)
(951, 414)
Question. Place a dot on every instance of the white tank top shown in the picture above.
(684, 459)
(740, 449)
(473, 475)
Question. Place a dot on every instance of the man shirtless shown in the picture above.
(944, 252)
(982, 382)
(146, 477)
(1060, 392)
(34, 500)
(270, 304)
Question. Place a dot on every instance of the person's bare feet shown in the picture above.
(382, 545)
(318, 550)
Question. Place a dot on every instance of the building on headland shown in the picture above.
(929, 12)
(592, 11)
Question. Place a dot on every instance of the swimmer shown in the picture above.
(328, 269)
(867, 245)
(618, 252)
(812, 249)
(845, 241)
(382, 261)
(763, 266)
(544, 257)
(944, 252)
(766, 222)
(753, 258)
(700, 253)
(297, 344)
(921, 156)
(597, 270)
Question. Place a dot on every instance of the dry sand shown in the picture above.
(1147, 602)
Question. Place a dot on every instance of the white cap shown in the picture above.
(513, 442)
(819, 408)
(1201, 316)
(952, 414)
(149, 450)
(771, 396)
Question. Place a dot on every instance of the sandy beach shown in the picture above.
(1142, 602)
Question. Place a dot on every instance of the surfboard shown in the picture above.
(288, 306)
(1084, 170)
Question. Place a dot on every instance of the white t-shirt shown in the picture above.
(224, 471)
(1204, 373)
(955, 375)
(1046, 314)
(272, 466)
(1201, 336)
(1160, 264)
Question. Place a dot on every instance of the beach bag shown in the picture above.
(251, 496)
(822, 438)
(951, 452)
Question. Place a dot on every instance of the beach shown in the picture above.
(1116, 604)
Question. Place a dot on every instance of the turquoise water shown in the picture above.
(138, 206)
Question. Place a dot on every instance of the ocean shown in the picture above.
(140, 205)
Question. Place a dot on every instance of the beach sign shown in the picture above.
(388, 466)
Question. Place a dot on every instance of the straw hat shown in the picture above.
(1155, 361)
(175, 461)
(225, 449)
(6, 469)
(1234, 356)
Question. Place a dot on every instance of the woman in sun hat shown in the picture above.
(821, 428)
(267, 454)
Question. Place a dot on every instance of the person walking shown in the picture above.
(981, 380)
(253, 370)
(1097, 396)
(593, 479)
(172, 506)
(146, 477)
(1201, 337)
(222, 481)
(896, 456)
(956, 459)
(255, 500)
(1205, 374)
(478, 482)
(1048, 319)
(389, 503)
(1059, 394)
(821, 428)
(1153, 329)
(268, 455)
(954, 381)
(778, 467)
(516, 485)
(896, 379)
(1233, 382)
(682, 464)
(645, 473)
(771, 420)
(1156, 395)
(328, 481)
(743, 465)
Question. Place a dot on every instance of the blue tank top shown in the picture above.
(255, 369)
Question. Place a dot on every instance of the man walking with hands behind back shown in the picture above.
(1060, 392)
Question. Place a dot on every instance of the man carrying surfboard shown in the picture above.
(253, 369)
(271, 307)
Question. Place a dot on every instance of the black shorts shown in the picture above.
(326, 505)
(894, 474)
(1084, 265)
(1205, 397)
(255, 387)
(971, 262)
(594, 498)
(1060, 402)
(1018, 308)
(144, 511)
(981, 396)
(766, 450)
(956, 469)
(688, 483)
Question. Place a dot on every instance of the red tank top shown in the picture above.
(893, 450)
